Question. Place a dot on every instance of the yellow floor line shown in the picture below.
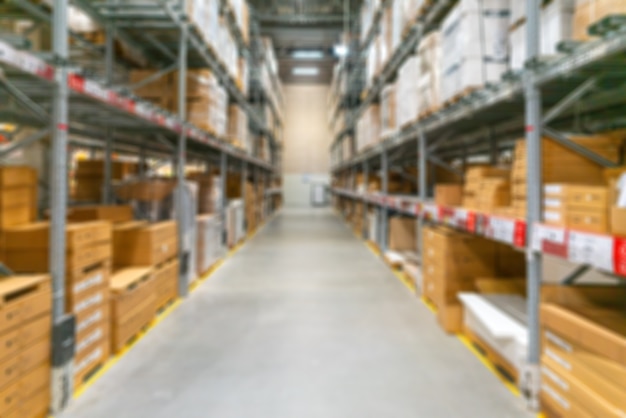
(467, 343)
(411, 286)
(167, 312)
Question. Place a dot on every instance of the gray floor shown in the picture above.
(303, 322)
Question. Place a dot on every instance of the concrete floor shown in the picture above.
(302, 322)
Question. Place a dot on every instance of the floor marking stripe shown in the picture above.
(463, 339)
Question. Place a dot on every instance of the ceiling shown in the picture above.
(304, 25)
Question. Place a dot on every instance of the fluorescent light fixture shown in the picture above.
(307, 54)
(306, 71)
(340, 50)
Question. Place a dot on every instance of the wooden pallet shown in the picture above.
(501, 365)
(459, 96)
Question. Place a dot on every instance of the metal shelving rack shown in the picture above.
(581, 88)
(59, 100)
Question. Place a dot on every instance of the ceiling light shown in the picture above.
(307, 55)
(306, 71)
(340, 50)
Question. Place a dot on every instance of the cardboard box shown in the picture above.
(590, 317)
(588, 220)
(555, 405)
(37, 235)
(36, 406)
(166, 283)
(133, 322)
(574, 388)
(449, 194)
(402, 233)
(450, 318)
(38, 260)
(588, 197)
(23, 299)
(604, 377)
(16, 176)
(15, 216)
(589, 12)
(130, 288)
(114, 214)
(35, 355)
(146, 246)
(618, 221)
(89, 363)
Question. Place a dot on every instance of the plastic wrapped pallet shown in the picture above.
(557, 20)
(474, 46)
(238, 127)
(388, 112)
(429, 73)
(407, 84)
(391, 31)
(368, 128)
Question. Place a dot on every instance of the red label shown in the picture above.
(619, 256)
(556, 249)
(418, 209)
(62, 127)
(76, 83)
(471, 221)
(530, 128)
(519, 239)
(47, 72)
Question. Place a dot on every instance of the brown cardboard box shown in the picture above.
(37, 235)
(91, 302)
(114, 214)
(588, 197)
(402, 233)
(147, 246)
(92, 315)
(133, 323)
(23, 298)
(590, 317)
(555, 404)
(449, 194)
(146, 190)
(97, 334)
(16, 196)
(35, 355)
(606, 378)
(14, 216)
(16, 176)
(38, 260)
(166, 283)
(450, 318)
(618, 221)
(507, 286)
(588, 220)
(584, 395)
(130, 288)
(91, 360)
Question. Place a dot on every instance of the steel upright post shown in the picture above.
(183, 204)
(366, 174)
(531, 376)
(223, 177)
(384, 211)
(109, 60)
(422, 164)
(63, 325)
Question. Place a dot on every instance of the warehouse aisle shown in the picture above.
(303, 322)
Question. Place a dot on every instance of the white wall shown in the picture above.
(307, 139)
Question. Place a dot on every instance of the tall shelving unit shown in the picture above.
(69, 103)
(542, 100)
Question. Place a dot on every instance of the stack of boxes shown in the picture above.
(408, 84)
(88, 266)
(583, 351)
(429, 74)
(209, 244)
(388, 111)
(451, 261)
(486, 189)
(89, 178)
(368, 129)
(449, 195)
(25, 365)
(238, 128)
(156, 247)
(133, 304)
(18, 196)
(474, 46)
(579, 207)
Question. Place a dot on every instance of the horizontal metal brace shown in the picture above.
(571, 278)
(10, 148)
(579, 149)
(570, 99)
(153, 77)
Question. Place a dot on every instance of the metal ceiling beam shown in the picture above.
(297, 19)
